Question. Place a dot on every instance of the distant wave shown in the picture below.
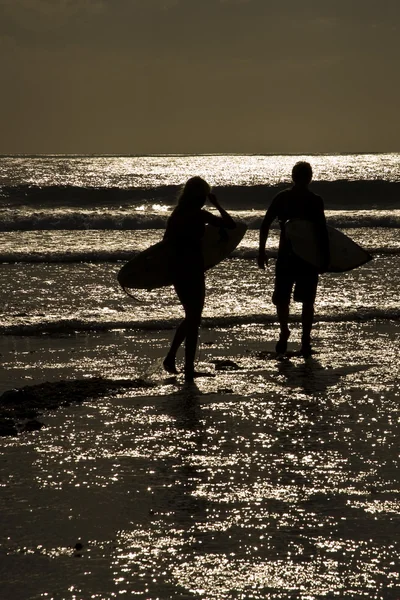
(113, 256)
(68, 195)
(66, 257)
(348, 220)
(50, 220)
(75, 220)
(69, 326)
(337, 194)
(252, 253)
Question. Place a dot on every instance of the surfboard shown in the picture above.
(149, 269)
(345, 253)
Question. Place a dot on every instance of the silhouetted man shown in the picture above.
(297, 202)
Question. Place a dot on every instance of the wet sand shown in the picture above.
(266, 479)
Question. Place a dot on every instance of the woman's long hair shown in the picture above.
(194, 193)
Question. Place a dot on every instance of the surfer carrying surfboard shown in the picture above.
(297, 202)
(184, 232)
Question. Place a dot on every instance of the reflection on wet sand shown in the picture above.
(312, 376)
(269, 480)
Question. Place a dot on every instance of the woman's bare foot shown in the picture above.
(170, 366)
(191, 375)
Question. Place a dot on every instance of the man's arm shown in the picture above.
(270, 216)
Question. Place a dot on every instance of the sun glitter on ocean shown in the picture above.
(267, 480)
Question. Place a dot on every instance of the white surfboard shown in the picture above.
(149, 269)
(345, 254)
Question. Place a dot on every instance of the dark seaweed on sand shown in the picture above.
(20, 407)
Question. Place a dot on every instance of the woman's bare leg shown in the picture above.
(191, 294)
(170, 360)
(192, 336)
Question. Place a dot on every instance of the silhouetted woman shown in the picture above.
(184, 232)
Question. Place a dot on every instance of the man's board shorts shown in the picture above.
(292, 272)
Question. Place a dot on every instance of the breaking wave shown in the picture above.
(337, 194)
(70, 326)
(113, 256)
(111, 220)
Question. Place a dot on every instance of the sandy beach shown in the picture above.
(266, 479)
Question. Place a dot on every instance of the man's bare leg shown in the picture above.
(283, 318)
(307, 319)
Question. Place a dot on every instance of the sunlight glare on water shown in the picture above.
(268, 479)
(154, 171)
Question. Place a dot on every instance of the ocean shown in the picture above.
(267, 479)
(67, 222)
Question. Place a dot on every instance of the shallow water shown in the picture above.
(54, 298)
(272, 480)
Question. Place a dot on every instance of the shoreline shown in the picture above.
(54, 371)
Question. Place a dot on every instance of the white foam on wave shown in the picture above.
(112, 220)
(71, 326)
(114, 256)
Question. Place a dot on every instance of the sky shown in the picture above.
(199, 76)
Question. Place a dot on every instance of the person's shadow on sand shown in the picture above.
(312, 376)
(184, 407)
(30, 401)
